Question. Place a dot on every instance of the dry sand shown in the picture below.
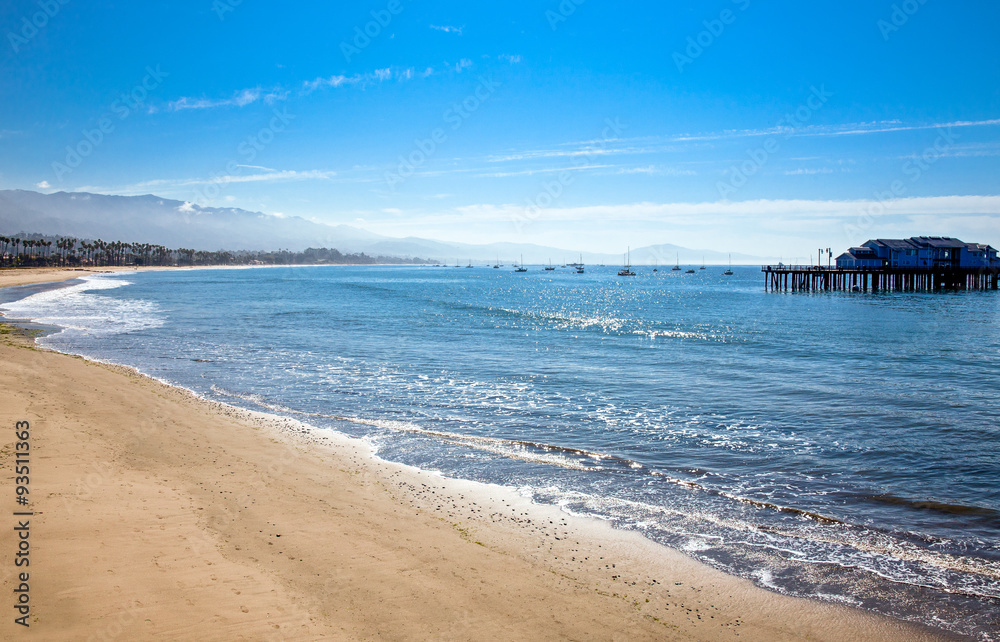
(161, 515)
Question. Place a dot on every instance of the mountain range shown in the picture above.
(175, 224)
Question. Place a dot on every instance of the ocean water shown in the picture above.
(839, 446)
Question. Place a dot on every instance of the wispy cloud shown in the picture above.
(907, 128)
(805, 171)
(565, 153)
(512, 59)
(462, 65)
(769, 208)
(241, 98)
(969, 150)
(543, 170)
(270, 177)
(376, 76)
(848, 129)
(653, 169)
(814, 216)
(170, 186)
(448, 29)
(673, 143)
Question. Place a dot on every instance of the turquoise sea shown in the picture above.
(840, 446)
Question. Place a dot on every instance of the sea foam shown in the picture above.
(80, 309)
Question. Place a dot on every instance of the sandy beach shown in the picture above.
(158, 515)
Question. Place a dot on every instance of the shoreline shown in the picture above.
(369, 547)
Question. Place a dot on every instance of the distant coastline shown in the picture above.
(39, 251)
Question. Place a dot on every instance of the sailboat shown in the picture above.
(729, 272)
(549, 267)
(470, 264)
(702, 263)
(496, 266)
(579, 266)
(521, 268)
(656, 265)
(677, 265)
(627, 268)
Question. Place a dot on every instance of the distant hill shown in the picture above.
(176, 224)
(151, 219)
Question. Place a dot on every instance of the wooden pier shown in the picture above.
(807, 278)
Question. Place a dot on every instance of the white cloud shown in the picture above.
(463, 64)
(847, 129)
(565, 153)
(171, 186)
(43, 185)
(378, 75)
(840, 209)
(332, 81)
(448, 29)
(241, 98)
(713, 214)
(274, 176)
(804, 171)
(542, 170)
(511, 59)
(652, 169)
(260, 167)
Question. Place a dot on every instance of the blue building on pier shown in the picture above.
(919, 252)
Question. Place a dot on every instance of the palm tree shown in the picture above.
(64, 244)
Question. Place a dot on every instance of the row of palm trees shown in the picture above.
(25, 252)
(73, 252)
(25, 247)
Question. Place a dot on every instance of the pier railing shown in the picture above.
(884, 268)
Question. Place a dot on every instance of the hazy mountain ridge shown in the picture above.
(151, 219)
(163, 221)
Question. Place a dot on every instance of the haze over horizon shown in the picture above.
(727, 124)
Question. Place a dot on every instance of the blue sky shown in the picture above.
(738, 125)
